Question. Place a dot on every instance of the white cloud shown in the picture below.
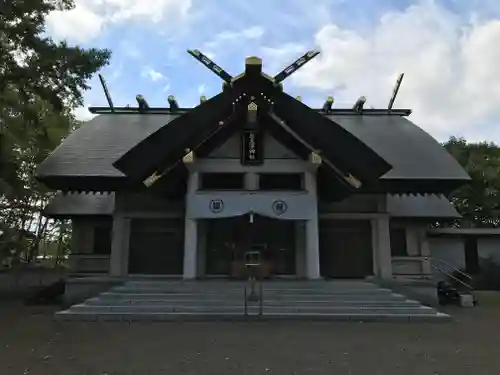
(116, 71)
(152, 74)
(89, 17)
(451, 76)
(229, 37)
(129, 49)
(276, 59)
(79, 24)
(83, 114)
(202, 89)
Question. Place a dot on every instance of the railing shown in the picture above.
(438, 268)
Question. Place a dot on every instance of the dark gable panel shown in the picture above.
(336, 144)
(163, 148)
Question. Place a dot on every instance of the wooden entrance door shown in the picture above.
(278, 239)
(156, 246)
(228, 240)
(346, 248)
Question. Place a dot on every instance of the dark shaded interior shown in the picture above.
(281, 181)
(102, 238)
(222, 181)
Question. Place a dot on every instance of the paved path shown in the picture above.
(30, 343)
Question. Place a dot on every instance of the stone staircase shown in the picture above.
(163, 300)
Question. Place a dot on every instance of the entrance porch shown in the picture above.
(217, 246)
(228, 240)
(207, 248)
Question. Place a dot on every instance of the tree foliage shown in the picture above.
(41, 82)
(37, 66)
(479, 201)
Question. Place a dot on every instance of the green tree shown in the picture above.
(41, 82)
(479, 201)
(37, 66)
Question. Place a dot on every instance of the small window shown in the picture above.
(222, 181)
(398, 241)
(280, 181)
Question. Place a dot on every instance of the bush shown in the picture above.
(487, 279)
(489, 276)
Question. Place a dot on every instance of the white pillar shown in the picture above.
(251, 181)
(118, 262)
(375, 247)
(425, 250)
(312, 233)
(190, 248)
(412, 240)
(202, 248)
(312, 250)
(191, 233)
(382, 247)
(300, 249)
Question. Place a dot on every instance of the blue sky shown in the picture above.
(449, 51)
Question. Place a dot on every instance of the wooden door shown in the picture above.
(156, 246)
(226, 243)
(278, 239)
(345, 248)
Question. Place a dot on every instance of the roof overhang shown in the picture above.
(174, 187)
(464, 232)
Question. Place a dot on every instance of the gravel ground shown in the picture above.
(31, 343)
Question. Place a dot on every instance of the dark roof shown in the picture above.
(412, 152)
(402, 206)
(421, 206)
(76, 204)
(90, 151)
(165, 148)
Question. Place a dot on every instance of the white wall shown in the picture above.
(489, 247)
(449, 250)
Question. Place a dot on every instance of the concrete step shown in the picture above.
(273, 283)
(363, 317)
(283, 297)
(110, 296)
(255, 309)
(239, 291)
(202, 285)
(178, 300)
(222, 302)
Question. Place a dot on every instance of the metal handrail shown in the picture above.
(260, 296)
(245, 299)
(455, 269)
(449, 274)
